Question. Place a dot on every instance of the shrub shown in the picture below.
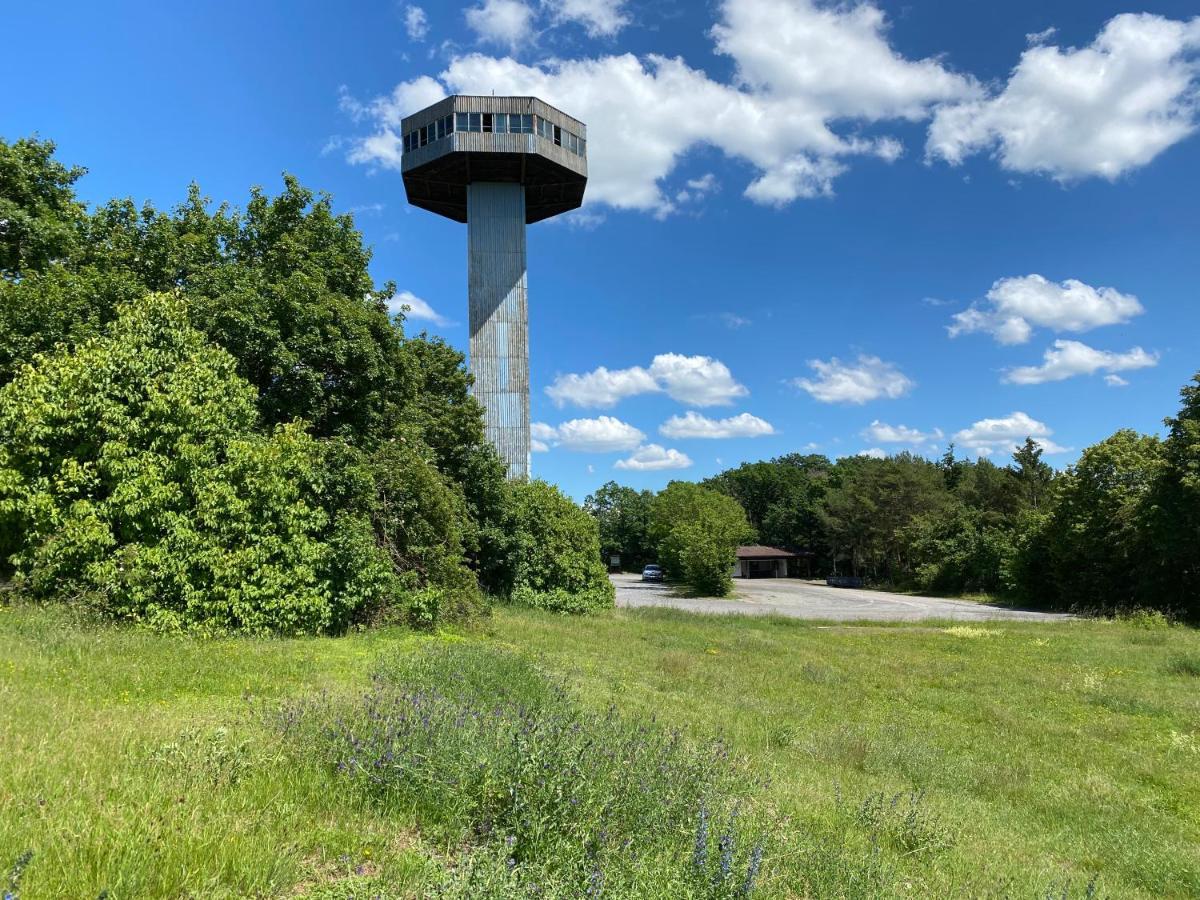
(418, 521)
(554, 552)
(130, 474)
(537, 796)
(697, 532)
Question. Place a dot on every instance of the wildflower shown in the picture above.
(700, 850)
(752, 870)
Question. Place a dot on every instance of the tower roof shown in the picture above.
(514, 140)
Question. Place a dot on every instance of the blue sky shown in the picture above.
(841, 228)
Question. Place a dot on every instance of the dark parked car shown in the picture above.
(652, 573)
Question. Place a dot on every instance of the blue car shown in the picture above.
(653, 573)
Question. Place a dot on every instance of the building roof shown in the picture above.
(758, 551)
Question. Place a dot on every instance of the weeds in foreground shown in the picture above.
(13, 888)
(1184, 664)
(535, 796)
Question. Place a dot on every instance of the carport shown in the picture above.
(757, 561)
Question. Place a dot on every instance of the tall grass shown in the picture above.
(531, 794)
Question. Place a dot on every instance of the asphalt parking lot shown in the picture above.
(810, 600)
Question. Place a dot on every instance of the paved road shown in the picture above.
(807, 600)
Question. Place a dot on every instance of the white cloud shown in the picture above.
(836, 57)
(697, 188)
(541, 435)
(1037, 38)
(413, 307)
(874, 453)
(654, 458)
(867, 378)
(988, 436)
(601, 435)
(1115, 381)
(416, 23)
(694, 380)
(1067, 359)
(883, 433)
(600, 18)
(1099, 110)
(1015, 306)
(601, 387)
(808, 79)
(505, 22)
(694, 425)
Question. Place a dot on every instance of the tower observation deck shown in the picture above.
(498, 164)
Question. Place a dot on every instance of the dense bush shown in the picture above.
(958, 551)
(554, 552)
(697, 532)
(534, 795)
(283, 288)
(419, 520)
(131, 475)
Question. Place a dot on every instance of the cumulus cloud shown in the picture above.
(694, 425)
(883, 433)
(541, 435)
(867, 378)
(601, 387)
(1005, 435)
(694, 380)
(416, 23)
(1115, 381)
(600, 18)
(1066, 359)
(808, 77)
(413, 307)
(600, 435)
(1099, 110)
(654, 458)
(874, 453)
(505, 22)
(1015, 306)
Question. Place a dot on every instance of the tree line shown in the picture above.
(1119, 529)
(212, 421)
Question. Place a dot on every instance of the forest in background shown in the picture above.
(1119, 529)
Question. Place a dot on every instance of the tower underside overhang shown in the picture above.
(440, 185)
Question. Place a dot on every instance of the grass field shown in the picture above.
(1014, 760)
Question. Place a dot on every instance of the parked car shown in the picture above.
(653, 573)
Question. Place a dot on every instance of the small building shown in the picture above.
(757, 561)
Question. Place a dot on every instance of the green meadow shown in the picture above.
(932, 760)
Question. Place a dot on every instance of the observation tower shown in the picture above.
(498, 164)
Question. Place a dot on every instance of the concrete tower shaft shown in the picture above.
(498, 164)
(499, 317)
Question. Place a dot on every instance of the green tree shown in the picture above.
(131, 476)
(283, 287)
(39, 215)
(623, 518)
(555, 552)
(1034, 476)
(782, 498)
(1172, 559)
(697, 532)
(1091, 545)
(872, 503)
